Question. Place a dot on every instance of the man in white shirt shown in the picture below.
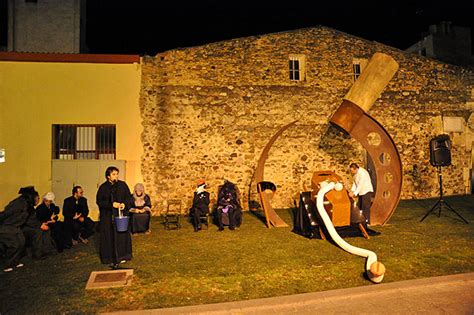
(362, 187)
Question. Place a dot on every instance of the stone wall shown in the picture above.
(208, 112)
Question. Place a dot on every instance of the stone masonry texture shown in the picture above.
(208, 112)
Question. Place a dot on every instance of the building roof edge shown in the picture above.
(68, 58)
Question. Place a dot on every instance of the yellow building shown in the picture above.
(44, 95)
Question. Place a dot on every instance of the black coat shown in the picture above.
(114, 246)
(73, 206)
(11, 236)
(44, 214)
(15, 213)
(201, 202)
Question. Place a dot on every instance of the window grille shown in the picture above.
(84, 142)
(356, 70)
(294, 70)
(358, 65)
(297, 67)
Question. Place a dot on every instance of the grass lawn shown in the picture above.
(180, 267)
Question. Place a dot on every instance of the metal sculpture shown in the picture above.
(341, 209)
(271, 216)
(351, 116)
(374, 269)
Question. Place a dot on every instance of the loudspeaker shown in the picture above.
(440, 151)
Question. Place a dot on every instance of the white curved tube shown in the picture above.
(371, 256)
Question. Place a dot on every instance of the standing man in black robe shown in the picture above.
(12, 240)
(112, 196)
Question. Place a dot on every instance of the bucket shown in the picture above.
(121, 223)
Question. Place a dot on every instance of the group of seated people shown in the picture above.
(228, 210)
(28, 222)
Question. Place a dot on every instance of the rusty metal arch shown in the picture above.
(351, 116)
(388, 167)
(271, 216)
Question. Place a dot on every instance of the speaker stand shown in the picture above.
(441, 202)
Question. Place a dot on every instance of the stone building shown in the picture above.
(446, 42)
(208, 111)
(54, 26)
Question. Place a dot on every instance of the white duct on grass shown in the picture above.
(375, 270)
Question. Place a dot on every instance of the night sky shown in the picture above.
(147, 27)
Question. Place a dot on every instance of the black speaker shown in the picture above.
(440, 151)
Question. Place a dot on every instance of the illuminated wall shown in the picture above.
(213, 108)
(35, 95)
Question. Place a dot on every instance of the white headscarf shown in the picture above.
(49, 196)
(139, 200)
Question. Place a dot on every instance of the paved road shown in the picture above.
(438, 295)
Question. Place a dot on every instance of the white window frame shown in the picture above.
(358, 65)
(297, 67)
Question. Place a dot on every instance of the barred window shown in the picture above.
(84, 142)
(297, 67)
(358, 65)
(356, 70)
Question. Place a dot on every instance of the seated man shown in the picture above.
(140, 212)
(12, 218)
(229, 211)
(37, 235)
(200, 206)
(47, 213)
(77, 225)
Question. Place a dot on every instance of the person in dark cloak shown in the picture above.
(229, 211)
(37, 236)
(113, 196)
(12, 240)
(140, 213)
(47, 213)
(78, 227)
(200, 206)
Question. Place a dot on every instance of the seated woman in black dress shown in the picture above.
(47, 215)
(229, 211)
(140, 213)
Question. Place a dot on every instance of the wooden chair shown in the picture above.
(204, 219)
(173, 214)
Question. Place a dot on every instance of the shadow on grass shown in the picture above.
(259, 215)
(289, 212)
